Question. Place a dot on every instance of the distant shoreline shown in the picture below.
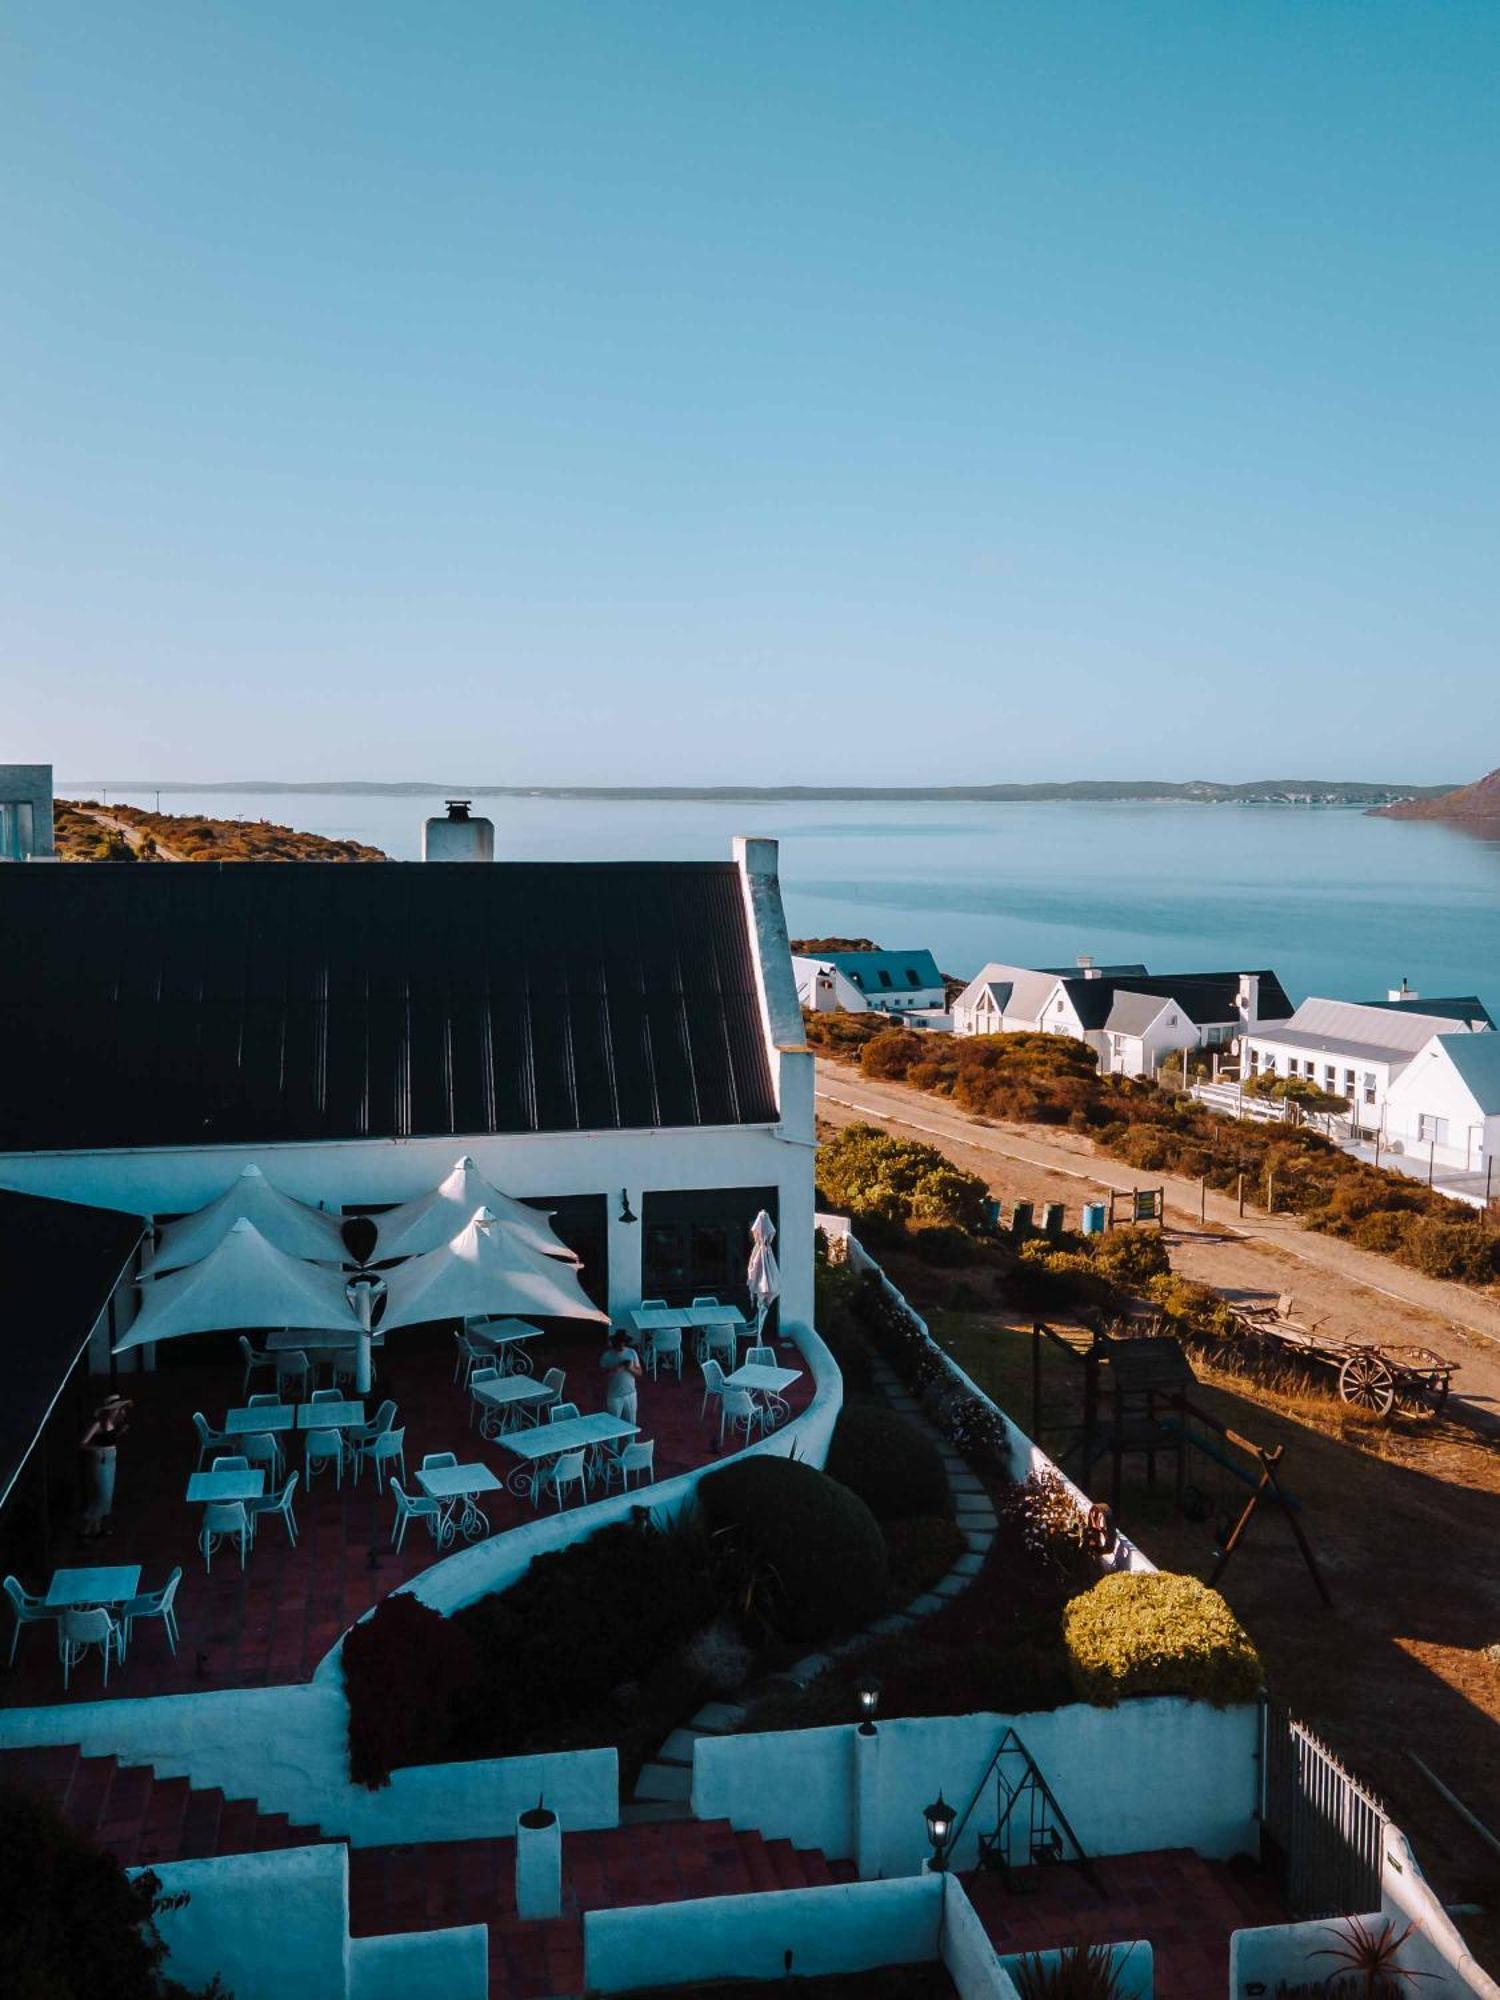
(1149, 791)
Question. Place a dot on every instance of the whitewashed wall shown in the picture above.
(1181, 1774)
(964, 1947)
(453, 1964)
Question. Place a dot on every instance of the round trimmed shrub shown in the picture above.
(1158, 1634)
(895, 1468)
(816, 1551)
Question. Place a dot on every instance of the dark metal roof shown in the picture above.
(1206, 998)
(199, 1003)
(1458, 1007)
(58, 1265)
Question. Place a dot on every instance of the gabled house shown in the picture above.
(858, 982)
(1130, 1018)
(1444, 1105)
(1358, 1049)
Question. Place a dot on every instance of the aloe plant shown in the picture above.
(1079, 1972)
(1367, 1960)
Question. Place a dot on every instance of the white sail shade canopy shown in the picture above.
(287, 1224)
(431, 1221)
(764, 1274)
(486, 1269)
(244, 1282)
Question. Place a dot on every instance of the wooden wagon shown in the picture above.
(1372, 1376)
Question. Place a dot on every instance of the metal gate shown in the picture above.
(1323, 1831)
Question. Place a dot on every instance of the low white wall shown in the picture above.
(267, 1924)
(1180, 1774)
(1026, 1456)
(847, 1927)
(287, 1748)
(965, 1949)
(495, 1564)
(1133, 1966)
(1438, 1949)
(454, 1963)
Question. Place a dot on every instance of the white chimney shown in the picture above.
(1087, 966)
(1247, 999)
(459, 836)
(1401, 992)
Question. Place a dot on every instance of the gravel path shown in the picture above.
(1348, 1291)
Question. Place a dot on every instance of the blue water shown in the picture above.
(1336, 902)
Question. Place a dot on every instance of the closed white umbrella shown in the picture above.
(432, 1220)
(244, 1282)
(488, 1269)
(286, 1224)
(763, 1275)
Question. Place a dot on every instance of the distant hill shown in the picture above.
(1260, 791)
(87, 831)
(1477, 803)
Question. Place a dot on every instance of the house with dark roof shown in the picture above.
(620, 1043)
(1129, 1017)
(858, 982)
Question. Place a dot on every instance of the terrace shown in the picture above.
(274, 1622)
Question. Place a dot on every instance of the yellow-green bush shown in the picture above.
(1158, 1634)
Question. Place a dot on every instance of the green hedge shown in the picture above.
(895, 1468)
(812, 1557)
(1158, 1634)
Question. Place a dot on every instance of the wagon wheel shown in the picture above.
(1423, 1395)
(1366, 1380)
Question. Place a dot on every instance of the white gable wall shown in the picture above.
(1433, 1113)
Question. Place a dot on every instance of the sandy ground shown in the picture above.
(1346, 1291)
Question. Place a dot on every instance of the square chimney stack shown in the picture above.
(458, 836)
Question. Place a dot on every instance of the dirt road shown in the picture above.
(1348, 1291)
(133, 836)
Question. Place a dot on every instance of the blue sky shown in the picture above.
(779, 390)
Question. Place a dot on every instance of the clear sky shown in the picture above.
(784, 390)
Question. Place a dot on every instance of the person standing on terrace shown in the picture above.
(98, 1446)
(622, 1366)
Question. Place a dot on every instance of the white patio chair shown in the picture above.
(713, 1384)
(563, 1413)
(562, 1474)
(739, 1411)
(28, 1610)
(208, 1438)
(469, 1356)
(438, 1461)
(264, 1399)
(255, 1359)
(653, 1305)
(324, 1448)
(78, 1630)
(231, 1461)
(761, 1357)
(388, 1448)
(666, 1348)
(326, 1396)
(637, 1457)
(344, 1365)
(263, 1448)
(293, 1373)
(412, 1507)
(552, 1383)
(359, 1439)
(224, 1521)
(277, 1503)
(483, 1411)
(152, 1604)
(705, 1298)
(719, 1345)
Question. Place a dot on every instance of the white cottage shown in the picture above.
(1444, 1106)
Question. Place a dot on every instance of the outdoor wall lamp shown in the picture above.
(868, 1693)
(626, 1212)
(939, 1818)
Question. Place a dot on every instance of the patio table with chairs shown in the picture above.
(767, 1383)
(449, 1484)
(256, 1417)
(332, 1415)
(77, 1589)
(505, 1400)
(583, 1435)
(507, 1339)
(225, 1485)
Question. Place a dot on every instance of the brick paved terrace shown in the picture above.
(275, 1622)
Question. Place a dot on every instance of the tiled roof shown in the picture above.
(180, 1004)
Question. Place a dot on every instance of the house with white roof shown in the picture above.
(1358, 1050)
(1128, 1016)
(858, 982)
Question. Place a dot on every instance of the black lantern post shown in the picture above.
(939, 1818)
(868, 1693)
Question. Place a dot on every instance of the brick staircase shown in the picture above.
(141, 1818)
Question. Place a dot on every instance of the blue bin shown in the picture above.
(1094, 1213)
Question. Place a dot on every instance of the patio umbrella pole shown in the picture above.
(363, 1300)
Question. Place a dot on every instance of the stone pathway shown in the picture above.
(664, 1787)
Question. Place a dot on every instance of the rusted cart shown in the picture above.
(1371, 1376)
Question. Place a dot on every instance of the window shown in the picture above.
(1349, 1084)
(698, 1240)
(1255, 1062)
(885, 977)
(911, 978)
(1369, 1086)
(1432, 1130)
(1330, 1079)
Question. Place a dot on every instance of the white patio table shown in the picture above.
(766, 1383)
(329, 1416)
(265, 1417)
(508, 1338)
(71, 1589)
(512, 1398)
(207, 1486)
(552, 1440)
(448, 1484)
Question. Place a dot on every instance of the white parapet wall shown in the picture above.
(271, 1925)
(1133, 1966)
(1180, 1774)
(846, 1927)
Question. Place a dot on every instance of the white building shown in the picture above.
(26, 812)
(1444, 1106)
(858, 982)
(620, 1043)
(1359, 1050)
(1130, 1018)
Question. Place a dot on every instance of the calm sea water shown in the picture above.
(1334, 901)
